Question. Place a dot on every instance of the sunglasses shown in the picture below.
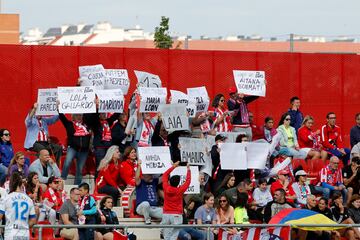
(287, 119)
(222, 201)
(6, 134)
(332, 117)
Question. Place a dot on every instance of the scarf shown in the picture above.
(146, 134)
(80, 129)
(53, 196)
(82, 203)
(41, 134)
(106, 132)
(244, 113)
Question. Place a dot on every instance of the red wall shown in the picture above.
(324, 82)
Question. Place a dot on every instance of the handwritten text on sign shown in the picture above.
(174, 117)
(199, 97)
(179, 97)
(193, 151)
(76, 99)
(250, 82)
(111, 100)
(146, 79)
(47, 104)
(93, 75)
(117, 78)
(154, 160)
(151, 98)
(194, 187)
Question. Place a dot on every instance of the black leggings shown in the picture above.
(112, 191)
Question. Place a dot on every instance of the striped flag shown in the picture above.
(279, 233)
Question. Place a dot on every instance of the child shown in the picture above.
(87, 212)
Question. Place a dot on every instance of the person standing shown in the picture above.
(355, 132)
(295, 114)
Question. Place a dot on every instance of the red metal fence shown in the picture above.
(324, 82)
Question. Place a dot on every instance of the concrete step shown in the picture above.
(142, 233)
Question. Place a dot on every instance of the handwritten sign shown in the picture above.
(178, 97)
(231, 136)
(117, 78)
(199, 97)
(46, 100)
(250, 82)
(257, 154)
(154, 160)
(174, 117)
(148, 80)
(111, 100)
(233, 156)
(93, 75)
(193, 151)
(76, 99)
(152, 98)
(194, 187)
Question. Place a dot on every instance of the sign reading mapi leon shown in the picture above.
(193, 151)
(111, 100)
(154, 160)
(151, 98)
(46, 100)
(250, 82)
(76, 99)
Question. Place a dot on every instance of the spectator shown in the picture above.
(87, 212)
(225, 211)
(238, 103)
(147, 200)
(301, 187)
(45, 167)
(160, 136)
(257, 132)
(283, 182)
(309, 141)
(127, 167)
(268, 130)
(295, 113)
(221, 117)
(232, 193)
(279, 203)
(68, 215)
(355, 151)
(118, 132)
(227, 183)
(145, 129)
(78, 137)
(332, 140)
(173, 201)
(218, 174)
(331, 178)
(201, 125)
(323, 208)
(33, 190)
(352, 176)
(190, 233)
(52, 200)
(288, 143)
(240, 212)
(106, 216)
(108, 181)
(355, 132)
(37, 133)
(354, 208)
(206, 214)
(262, 194)
(17, 164)
(310, 202)
(6, 154)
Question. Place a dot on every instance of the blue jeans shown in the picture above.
(191, 233)
(345, 158)
(325, 191)
(80, 162)
(292, 152)
(3, 173)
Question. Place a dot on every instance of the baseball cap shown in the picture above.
(232, 90)
(301, 173)
(283, 172)
(220, 137)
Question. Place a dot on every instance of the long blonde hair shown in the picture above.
(16, 157)
(108, 157)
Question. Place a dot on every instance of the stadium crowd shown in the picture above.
(226, 196)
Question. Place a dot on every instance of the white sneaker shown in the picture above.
(148, 221)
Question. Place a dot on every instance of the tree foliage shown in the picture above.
(162, 37)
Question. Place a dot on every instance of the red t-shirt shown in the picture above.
(289, 190)
(55, 198)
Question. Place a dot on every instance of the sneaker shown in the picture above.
(148, 221)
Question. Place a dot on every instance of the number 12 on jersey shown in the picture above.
(23, 208)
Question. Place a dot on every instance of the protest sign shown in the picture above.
(151, 98)
(93, 75)
(199, 97)
(257, 154)
(154, 160)
(174, 117)
(233, 156)
(46, 101)
(178, 97)
(117, 78)
(148, 80)
(209, 142)
(231, 136)
(191, 110)
(111, 100)
(194, 187)
(76, 99)
(193, 151)
(250, 82)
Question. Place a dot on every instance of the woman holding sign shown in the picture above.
(221, 116)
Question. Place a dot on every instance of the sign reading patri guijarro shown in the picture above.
(93, 75)
(76, 99)
(149, 80)
(250, 82)
(151, 98)
(117, 78)
(111, 100)
(174, 117)
(154, 160)
(193, 151)
(179, 97)
(46, 100)
(199, 97)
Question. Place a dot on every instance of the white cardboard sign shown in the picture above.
(47, 102)
(178, 97)
(193, 151)
(111, 100)
(199, 97)
(76, 99)
(152, 98)
(233, 156)
(154, 160)
(93, 75)
(117, 78)
(148, 80)
(257, 154)
(250, 82)
(194, 187)
(174, 117)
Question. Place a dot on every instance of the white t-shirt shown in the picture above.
(18, 208)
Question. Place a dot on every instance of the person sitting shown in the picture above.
(146, 196)
(87, 211)
(206, 214)
(301, 187)
(34, 191)
(288, 142)
(354, 208)
(45, 167)
(227, 183)
(283, 182)
(225, 213)
(351, 175)
(332, 139)
(279, 203)
(52, 200)
(309, 141)
(18, 164)
(240, 212)
(355, 151)
(68, 216)
(106, 216)
(355, 131)
(127, 167)
(262, 195)
(268, 129)
(310, 202)
(108, 180)
(6, 154)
